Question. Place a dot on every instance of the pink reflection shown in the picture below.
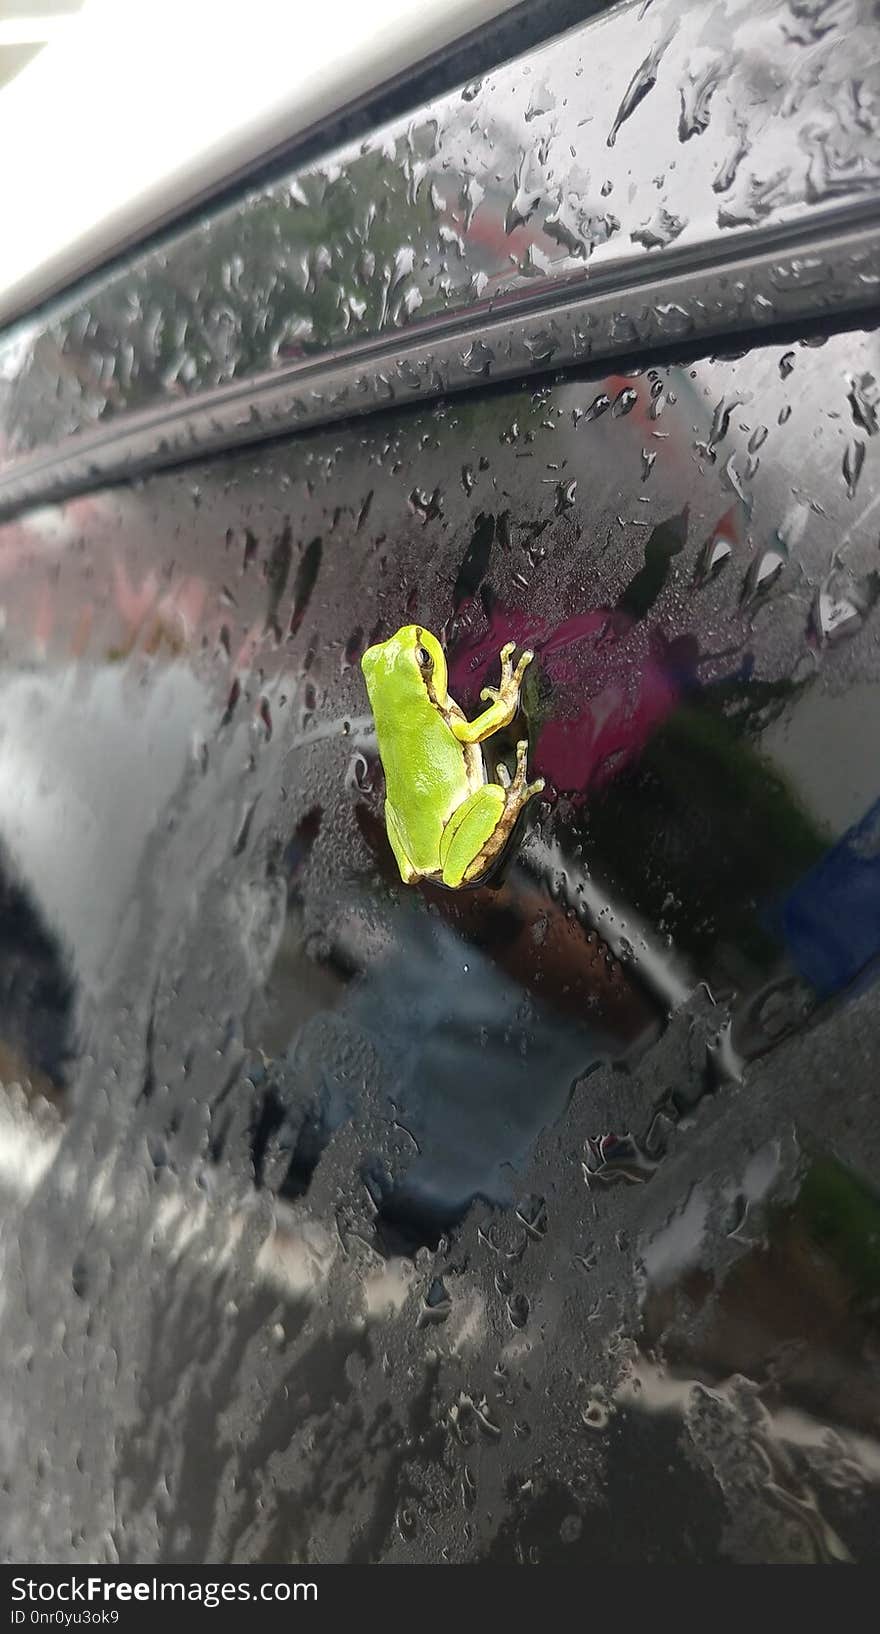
(613, 682)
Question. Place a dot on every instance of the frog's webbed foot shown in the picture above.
(520, 790)
(516, 789)
(511, 679)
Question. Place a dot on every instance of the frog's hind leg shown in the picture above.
(517, 794)
(469, 830)
(479, 830)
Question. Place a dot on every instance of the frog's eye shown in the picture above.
(424, 659)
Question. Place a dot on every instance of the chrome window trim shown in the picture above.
(693, 305)
(782, 191)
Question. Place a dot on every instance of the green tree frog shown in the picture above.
(445, 820)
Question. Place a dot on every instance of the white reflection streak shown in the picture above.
(650, 1389)
(860, 519)
(295, 1258)
(626, 935)
(359, 732)
(27, 1151)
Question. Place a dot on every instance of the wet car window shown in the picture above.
(535, 1221)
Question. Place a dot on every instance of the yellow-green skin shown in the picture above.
(445, 820)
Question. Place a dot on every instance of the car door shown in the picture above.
(346, 1220)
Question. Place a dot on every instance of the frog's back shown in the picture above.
(426, 778)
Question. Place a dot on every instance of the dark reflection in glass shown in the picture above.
(37, 997)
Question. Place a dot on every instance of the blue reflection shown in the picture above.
(470, 1066)
(830, 921)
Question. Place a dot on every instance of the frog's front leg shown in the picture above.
(504, 701)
